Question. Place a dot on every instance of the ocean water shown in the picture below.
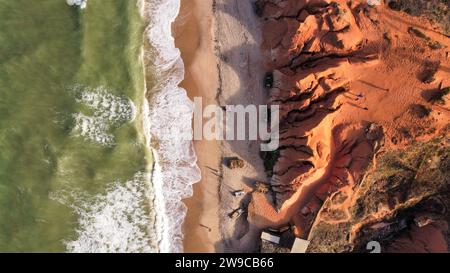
(95, 153)
(75, 170)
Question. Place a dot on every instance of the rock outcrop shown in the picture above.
(349, 79)
(405, 194)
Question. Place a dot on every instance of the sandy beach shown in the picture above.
(220, 48)
(193, 35)
(241, 69)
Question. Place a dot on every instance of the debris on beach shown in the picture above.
(235, 163)
(239, 193)
(262, 187)
(236, 213)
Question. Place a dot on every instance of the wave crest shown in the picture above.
(81, 3)
(108, 111)
(116, 221)
(170, 117)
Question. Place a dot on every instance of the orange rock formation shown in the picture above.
(351, 80)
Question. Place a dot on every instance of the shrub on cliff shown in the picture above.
(405, 183)
(436, 10)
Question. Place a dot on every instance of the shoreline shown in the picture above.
(170, 113)
(224, 65)
(192, 33)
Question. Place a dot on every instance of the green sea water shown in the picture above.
(63, 73)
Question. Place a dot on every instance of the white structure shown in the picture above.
(80, 3)
(270, 238)
(300, 246)
(239, 193)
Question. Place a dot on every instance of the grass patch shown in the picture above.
(270, 159)
(437, 97)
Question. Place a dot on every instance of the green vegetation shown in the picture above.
(438, 96)
(270, 159)
(407, 182)
(436, 10)
(431, 44)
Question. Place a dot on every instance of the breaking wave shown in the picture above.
(145, 214)
(107, 111)
(117, 221)
(81, 3)
(170, 117)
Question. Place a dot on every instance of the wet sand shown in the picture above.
(192, 32)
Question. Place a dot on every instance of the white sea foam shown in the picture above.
(170, 118)
(115, 109)
(93, 128)
(81, 3)
(117, 221)
(107, 111)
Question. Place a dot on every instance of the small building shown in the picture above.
(270, 238)
(300, 246)
(277, 240)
